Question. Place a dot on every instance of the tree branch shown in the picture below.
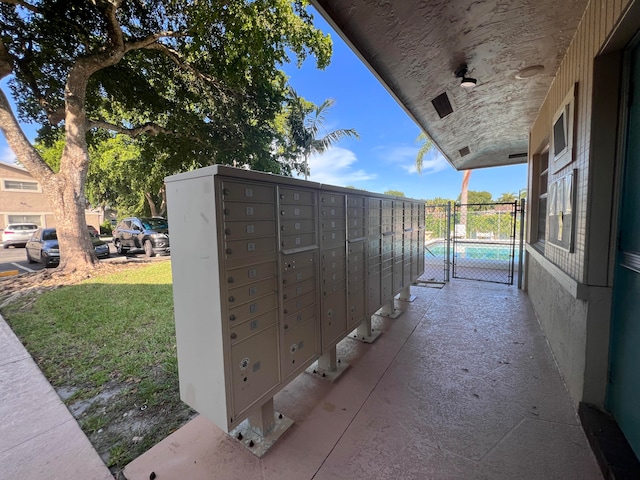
(6, 61)
(20, 145)
(23, 4)
(179, 60)
(148, 128)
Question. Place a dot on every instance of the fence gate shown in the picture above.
(484, 241)
(437, 248)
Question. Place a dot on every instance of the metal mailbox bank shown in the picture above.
(270, 273)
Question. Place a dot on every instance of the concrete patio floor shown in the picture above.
(461, 386)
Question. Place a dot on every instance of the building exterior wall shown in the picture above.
(563, 320)
(31, 202)
(571, 291)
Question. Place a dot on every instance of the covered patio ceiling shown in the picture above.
(415, 48)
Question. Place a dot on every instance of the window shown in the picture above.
(21, 186)
(560, 220)
(35, 219)
(543, 183)
(562, 132)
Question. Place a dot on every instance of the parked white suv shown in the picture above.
(18, 234)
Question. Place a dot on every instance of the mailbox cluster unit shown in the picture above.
(270, 273)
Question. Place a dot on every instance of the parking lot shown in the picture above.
(15, 258)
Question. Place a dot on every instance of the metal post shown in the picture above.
(447, 257)
(328, 361)
(263, 420)
(523, 203)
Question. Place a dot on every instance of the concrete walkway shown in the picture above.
(461, 386)
(39, 438)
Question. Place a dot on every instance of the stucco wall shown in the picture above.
(563, 320)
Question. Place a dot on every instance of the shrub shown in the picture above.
(106, 228)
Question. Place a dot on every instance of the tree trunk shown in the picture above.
(65, 190)
(163, 204)
(67, 199)
(464, 198)
(152, 204)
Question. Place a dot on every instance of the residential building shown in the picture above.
(22, 200)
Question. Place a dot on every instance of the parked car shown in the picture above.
(151, 234)
(93, 231)
(17, 234)
(43, 247)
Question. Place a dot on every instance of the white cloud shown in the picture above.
(335, 167)
(405, 157)
(7, 155)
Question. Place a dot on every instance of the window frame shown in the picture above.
(565, 113)
(4, 180)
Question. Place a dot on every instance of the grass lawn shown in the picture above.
(108, 347)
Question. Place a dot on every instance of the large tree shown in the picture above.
(195, 80)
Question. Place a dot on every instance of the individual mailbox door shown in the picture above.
(246, 293)
(296, 196)
(235, 191)
(246, 249)
(241, 331)
(299, 288)
(288, 212)
(297, 240)
(298, 226)
(242, 230)
(235, 211)
(253, 309)
(297, 304)
(251, 273)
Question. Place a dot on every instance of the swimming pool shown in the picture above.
(476, 252)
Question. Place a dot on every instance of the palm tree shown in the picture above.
(425, 147)
(306, 121)
(508, 197)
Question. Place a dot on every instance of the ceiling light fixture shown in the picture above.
(466, 82)
(530, 71)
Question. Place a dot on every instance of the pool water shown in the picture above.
(479, 252)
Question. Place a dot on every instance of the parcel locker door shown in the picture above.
(334, 319)
(299, 346)
(254, 368)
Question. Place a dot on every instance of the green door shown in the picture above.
(624, 387)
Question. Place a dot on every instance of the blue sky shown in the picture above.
(384, 157)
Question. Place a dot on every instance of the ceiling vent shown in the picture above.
(442, 105)
(464, 151)
(518, 155)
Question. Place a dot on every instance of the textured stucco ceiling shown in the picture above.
(414, 48)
